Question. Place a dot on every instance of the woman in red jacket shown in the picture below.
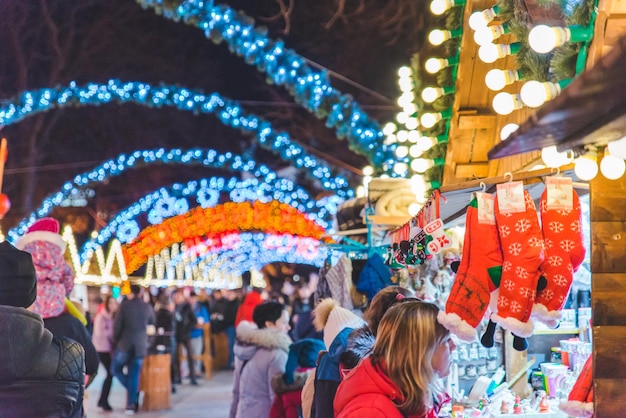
(401, 378)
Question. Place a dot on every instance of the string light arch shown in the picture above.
(283, 66)
(178, 198)
(229, 112)
(137, 159)
(271, 217)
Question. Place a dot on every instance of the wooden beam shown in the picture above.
(609, 397)
(606, 288)
(472, 170)
(477, 122)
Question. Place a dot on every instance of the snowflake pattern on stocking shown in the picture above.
(525, 292)
(521, 272)
(522, 225)
(509, 285)
(504, 231)
(547, 243)
(516, 306)
(563, 212)
(575, 226)
(535, 242)
(515, 249)
(568, 245)
(555, 261)
(548, 294)
(507, 265)
(556, 227)
(560, 280)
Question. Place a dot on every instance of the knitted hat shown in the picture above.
(332, 318)
(302, 353)
(18, 284)
(44, 229)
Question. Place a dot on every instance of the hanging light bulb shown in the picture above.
(427, 142)
(586, 166)
(360, 191)
(497, 79)
(404, 71)
(612, 167)
(617, 148)
(543, 39)
(507, 130)
(400, 168)
(482, 18)
(505, 103)
(439, 7)
(402, 136)
(414, 136)
(488, 34)
(437, 36)
(535, 93)
(428, 120)
(434, 65)
(415, 151)
(430, 94)
(555, 159)
(406, 98)
(414, 209)
(402, 117)
(406, 84)
(411, 124)
(402, 151)
(389, 128)
(490, 53)
(368, 170)
(420, 165)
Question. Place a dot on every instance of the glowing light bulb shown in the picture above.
(400, 168)
(415, 151)
(402, 136)
(389, 128)
(482, 18)
(430, 94)
(617, 148)
(507, 130)
(553, 158)
(439, 7)
(490, 53)
(420, 165)
(406, 84)
(586, 167)
(437, 37)
(434, 65)
(429, 120)
(402, 151)
(402, 117)
(414, 209)
(497, 79)
(535, 93)
(368, 170)
(404, 71)
(488, 34)
(411, 124)
(612, 167)
(544, 39)
(505, 103)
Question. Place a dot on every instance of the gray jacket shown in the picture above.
(259, 355)
(129, 330)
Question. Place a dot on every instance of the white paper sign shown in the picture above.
(511, 197)
(559, 191)
(486, 204)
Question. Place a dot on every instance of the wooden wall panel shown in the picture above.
(607, 288)
(609, 358)
(610, 401)
(608, 246)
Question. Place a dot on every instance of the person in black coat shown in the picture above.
(165, 340)
(185, 322)
(40, 375)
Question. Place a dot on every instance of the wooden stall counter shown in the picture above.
(155, 382)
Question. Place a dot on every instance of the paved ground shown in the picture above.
(211, 399)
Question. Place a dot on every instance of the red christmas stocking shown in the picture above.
(476, 277)
(564, 253)
(522, 249)
(580, 400)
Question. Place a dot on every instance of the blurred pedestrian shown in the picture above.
(103, 341)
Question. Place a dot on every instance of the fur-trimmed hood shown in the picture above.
(249, 335)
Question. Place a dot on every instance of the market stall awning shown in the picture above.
(591, 110)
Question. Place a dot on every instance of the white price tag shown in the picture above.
(559, 193)
(486, 204)
(511, 197)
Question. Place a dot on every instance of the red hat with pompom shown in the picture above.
(44, 229)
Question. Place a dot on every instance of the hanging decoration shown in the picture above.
(177, 199)
(285, 67)
(138, 159)
(228, 112)
(272, 217)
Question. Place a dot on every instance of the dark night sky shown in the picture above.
(48, 43)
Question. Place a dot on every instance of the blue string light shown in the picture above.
(310, 88)
(228, 112)
(175, 200)
(115, 167)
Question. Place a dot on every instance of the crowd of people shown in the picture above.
(290, 357)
